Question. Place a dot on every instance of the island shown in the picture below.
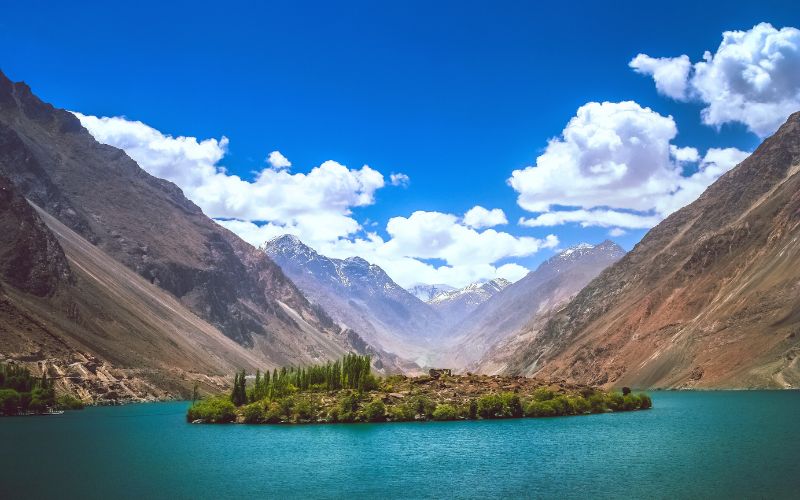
(346, 391)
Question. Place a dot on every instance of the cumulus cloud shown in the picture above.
(753, 78)
(616, 232)
(478, 217)
(316, 206)
(312, 204)
(278, 161)
(614, 165)
(669, 73)
(399, 179)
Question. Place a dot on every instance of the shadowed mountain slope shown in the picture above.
(148, 226)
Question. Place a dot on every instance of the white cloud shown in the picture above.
(614, 166)
(512, 272)
(478, 217)
(597, 217)
(753, 78)
(316, 206)
(669, 73)
(278, 161)
(399, 179)
(616, 232)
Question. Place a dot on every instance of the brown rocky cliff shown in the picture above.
(708, 298)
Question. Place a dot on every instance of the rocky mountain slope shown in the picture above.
(94, 326)
(455, 305)
(148, 226)
(361, 296)
(553, 283)
(709, 298)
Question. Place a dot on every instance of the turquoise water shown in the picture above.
(709, 445)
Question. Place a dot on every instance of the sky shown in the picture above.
(447, 142)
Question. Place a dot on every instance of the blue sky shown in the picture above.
(456, 95)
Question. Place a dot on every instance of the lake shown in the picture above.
(691, 444)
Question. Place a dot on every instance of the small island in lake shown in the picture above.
(347, 391)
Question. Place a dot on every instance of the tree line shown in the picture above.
(353, 371)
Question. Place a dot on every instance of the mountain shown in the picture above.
(455, 305)
(361, 296)
(94, 326)
(709, 298)
(147, 225)
(553, 283)
(426, 292)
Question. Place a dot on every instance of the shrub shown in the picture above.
(543, 394)
(9, 401)
(646, 402)
(631, 402)
(490, 406)
(374, 411)
(402, 412)
(348, 407)
(614, 401)
(540, 409)
(213, 410)
(580, 405)
(69, 402)
(303, 409)
(253, 413)
(422, 405)
(597, 403)
(273, 413)
(473, 409)
(445, 412)
(512, 405)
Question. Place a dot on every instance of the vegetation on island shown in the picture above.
(24, 394)
(348, 391)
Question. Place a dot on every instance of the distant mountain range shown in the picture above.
(454, 305)
(709, 298)
(541, 291)
(426, 292)
(361, 296)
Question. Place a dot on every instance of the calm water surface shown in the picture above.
(696, 445)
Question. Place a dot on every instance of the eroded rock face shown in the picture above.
(708, 298)
(30, 257)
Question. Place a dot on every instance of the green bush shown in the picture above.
(540, 409)
(646, 402)
(543, 394)
(253, 413)
(581, 405)
(445, 412)
(503, 405)
(272, 413)
(422, 405)
(402, 412)
(614, 401)
(303, 410)
(9, 401)
(597, 403)
(374, 411)
(348, 407)
(213, 410)
(631, 402)
(69, 402)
